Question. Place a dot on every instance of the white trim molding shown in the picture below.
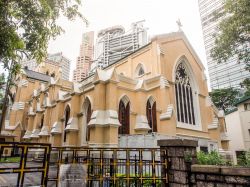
(142, 123)
(168, 114)
(104, 118)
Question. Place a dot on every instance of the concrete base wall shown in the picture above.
(150, 141)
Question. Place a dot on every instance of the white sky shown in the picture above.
(160, 16)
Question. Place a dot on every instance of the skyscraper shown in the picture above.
(114, 43)
(229, 73)
(54, 64)
(63, 62)
(85, 57)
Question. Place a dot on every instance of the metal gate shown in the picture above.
(24, 164)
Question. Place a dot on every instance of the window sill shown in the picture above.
(189, 126)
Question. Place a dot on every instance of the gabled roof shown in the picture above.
(242, 100)
(180, 34)
(37, 75)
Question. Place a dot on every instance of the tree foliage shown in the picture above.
(2, 83)
(234, 32)
(225, 98)
(234, 35)
(26, 26)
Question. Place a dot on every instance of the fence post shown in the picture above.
(180, 154)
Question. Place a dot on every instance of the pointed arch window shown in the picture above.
(184, 96)
(124, 110)
(42, 122)
(151, 115)
(88, 118)
(67, 116)
(139, 70)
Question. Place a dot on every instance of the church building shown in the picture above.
(157, 92)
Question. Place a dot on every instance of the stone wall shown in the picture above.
(219, 176)
(182, 170)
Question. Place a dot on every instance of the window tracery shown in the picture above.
(184, 96)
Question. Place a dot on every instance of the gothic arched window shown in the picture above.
(139, 71)
(42, 121)
(67, 116)
(184, 96)
(88, 117)
(124, 110)
(151, 115)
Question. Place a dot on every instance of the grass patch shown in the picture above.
(10, 159)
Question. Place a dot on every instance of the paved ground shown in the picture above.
(30, 179)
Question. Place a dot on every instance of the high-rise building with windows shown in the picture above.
(114, 43)
(63, 62)
(229, 73)
(85, 57)
(54, 65)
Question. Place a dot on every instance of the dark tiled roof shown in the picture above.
(37, 76)
(241, 100)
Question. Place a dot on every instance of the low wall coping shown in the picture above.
(223, 170)
(177, 143)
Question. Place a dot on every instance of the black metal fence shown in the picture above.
(20, 162)
(110, 166)
(25, 164)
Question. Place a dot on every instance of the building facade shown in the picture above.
(238, 127)
(63, 62)
(223, 75)
(158, 91)
(85, 57)
(54, 64)
(114, 43)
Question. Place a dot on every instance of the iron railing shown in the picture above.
(25, 164)
(111, 166)
(19, 163)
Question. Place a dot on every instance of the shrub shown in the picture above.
(244, 159)
(212, 158)
(148, 181)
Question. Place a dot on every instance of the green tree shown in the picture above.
(26, 26)
(234, 34)
(224, 99)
